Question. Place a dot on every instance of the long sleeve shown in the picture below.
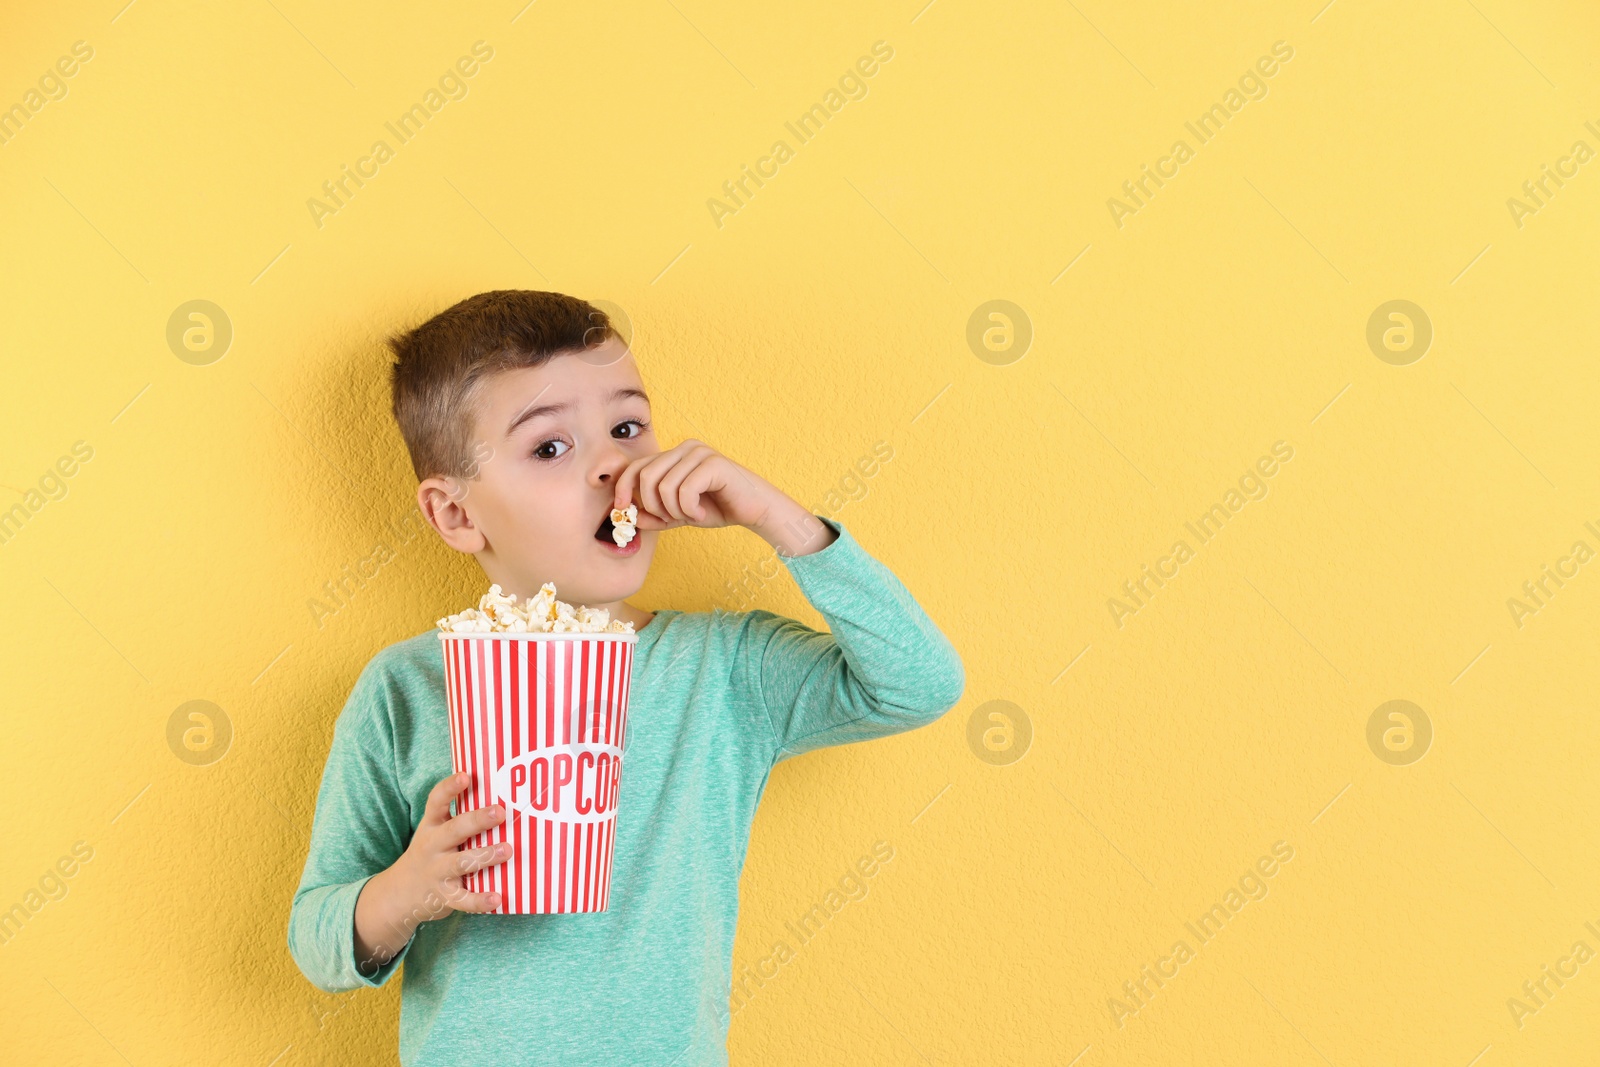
(885, 668)
(362, 825)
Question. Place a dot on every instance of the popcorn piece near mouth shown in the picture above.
(499, 612)
(624, 524)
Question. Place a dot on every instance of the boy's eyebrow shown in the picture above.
(528, 413)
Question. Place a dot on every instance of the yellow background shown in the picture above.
(829, 313)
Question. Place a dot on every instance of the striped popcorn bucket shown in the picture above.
(539, 720)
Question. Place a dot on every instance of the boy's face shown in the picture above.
(556, 439)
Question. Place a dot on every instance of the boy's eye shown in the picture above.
(543, 450)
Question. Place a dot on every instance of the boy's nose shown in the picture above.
(608, 467)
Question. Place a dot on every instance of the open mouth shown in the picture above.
(606, 532)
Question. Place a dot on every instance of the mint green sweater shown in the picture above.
(717, 700)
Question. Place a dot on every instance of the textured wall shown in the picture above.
(1221, 739)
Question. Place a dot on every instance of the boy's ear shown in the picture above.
(441, 501)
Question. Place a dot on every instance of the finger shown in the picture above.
(477, 903)
(671, 485)
(463, 827)
(649, 477)
(648, 521)
(623, 495)
(635, 486)
(627, 491)
(437, 808)
(476, 859)
(667, 487)
(704, 480)
(629, 483)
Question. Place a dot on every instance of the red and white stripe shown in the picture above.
(509, 696)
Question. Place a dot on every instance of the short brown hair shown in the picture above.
(440, 365)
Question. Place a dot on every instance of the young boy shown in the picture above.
(527, 423)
